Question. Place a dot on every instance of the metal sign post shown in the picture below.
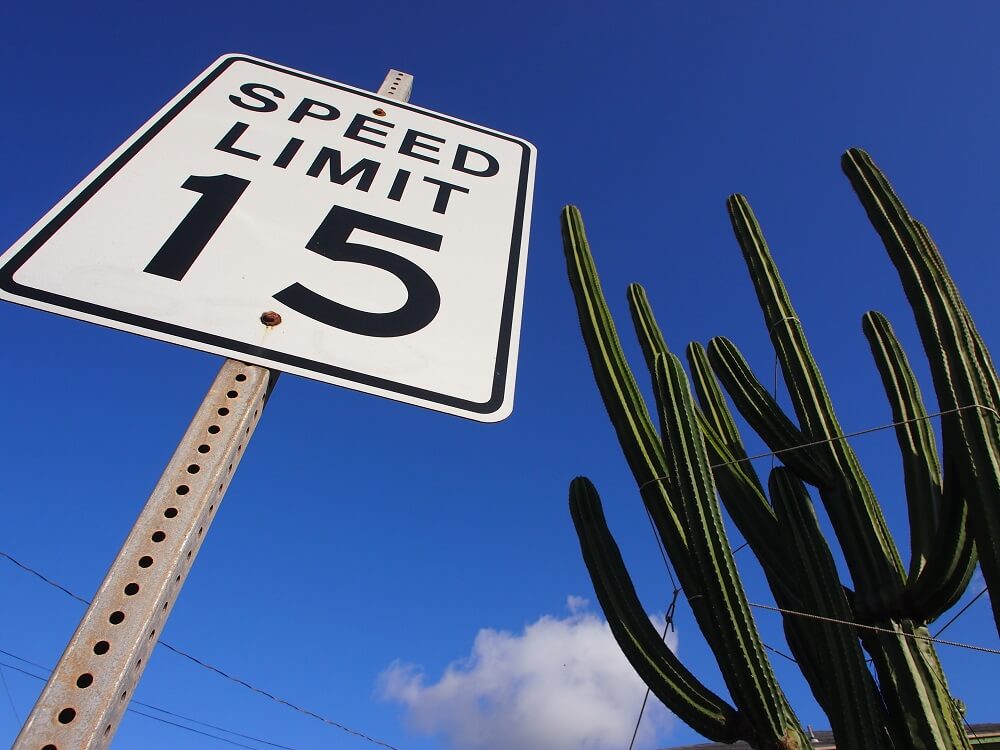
(88, 691)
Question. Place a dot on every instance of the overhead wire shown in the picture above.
(876, 629)
(960, 612)
(773, 455)
(845, 436)
(834, 439)
(668, 619)
(10, 698)
(216, 670)
(677, 588)
(130, 709)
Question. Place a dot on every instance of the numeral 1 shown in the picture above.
(218, 196)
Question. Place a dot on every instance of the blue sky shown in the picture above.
(361, 533)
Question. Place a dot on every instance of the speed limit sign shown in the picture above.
(283, 219)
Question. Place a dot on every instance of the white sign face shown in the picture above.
(390, 240)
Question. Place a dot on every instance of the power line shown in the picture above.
(211, 726)
(192, 729)
(10, 698)
(875, 628)
(276, 699)
(772, 454)
(668, 624)
(49, 581)
(216, 670)
(834, 439)
(960, 612)
(792, 659)
(161, 710)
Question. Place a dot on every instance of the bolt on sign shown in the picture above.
(279, 218)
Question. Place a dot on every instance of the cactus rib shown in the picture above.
(964, 378)
(666, 676)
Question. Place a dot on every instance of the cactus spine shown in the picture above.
(698, 456)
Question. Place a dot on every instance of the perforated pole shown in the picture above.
(397, 85)
(88, 691)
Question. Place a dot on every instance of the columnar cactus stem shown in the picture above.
(698, 452)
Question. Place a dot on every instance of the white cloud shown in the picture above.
(562, 684)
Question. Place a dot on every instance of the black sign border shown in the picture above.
(497, 395)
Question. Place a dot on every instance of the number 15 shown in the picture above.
(219, 194)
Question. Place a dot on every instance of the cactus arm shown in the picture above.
(647, 330)
(857, 519)
(961, 370)
(619, 392)
(980, 354)
(922, 712)
(943, 555)
(655, 663)
(949, 569)
(736, 643)
(764, 415)
(921, 470)
(805, 383)
(945, 579)
(713, 405)
(848, 694)
(737, 482)
(716, 423)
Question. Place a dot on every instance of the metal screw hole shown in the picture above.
(240, 378)
(204, 449)
(194, 469)
(67, 715)
(145, 561)
(182, 489)
(85, 680)
(232, 394)
(223, 411)
(213, 429)
(132, 589)
(158, 536)
(101, 647)
(170, 512)
(117, 618)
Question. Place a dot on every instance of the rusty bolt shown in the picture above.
(379, 112)
(270, 318)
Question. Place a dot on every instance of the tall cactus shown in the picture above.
(698, 456)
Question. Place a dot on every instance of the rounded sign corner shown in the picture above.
(382, 225)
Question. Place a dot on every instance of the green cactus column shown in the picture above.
(699, 453)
